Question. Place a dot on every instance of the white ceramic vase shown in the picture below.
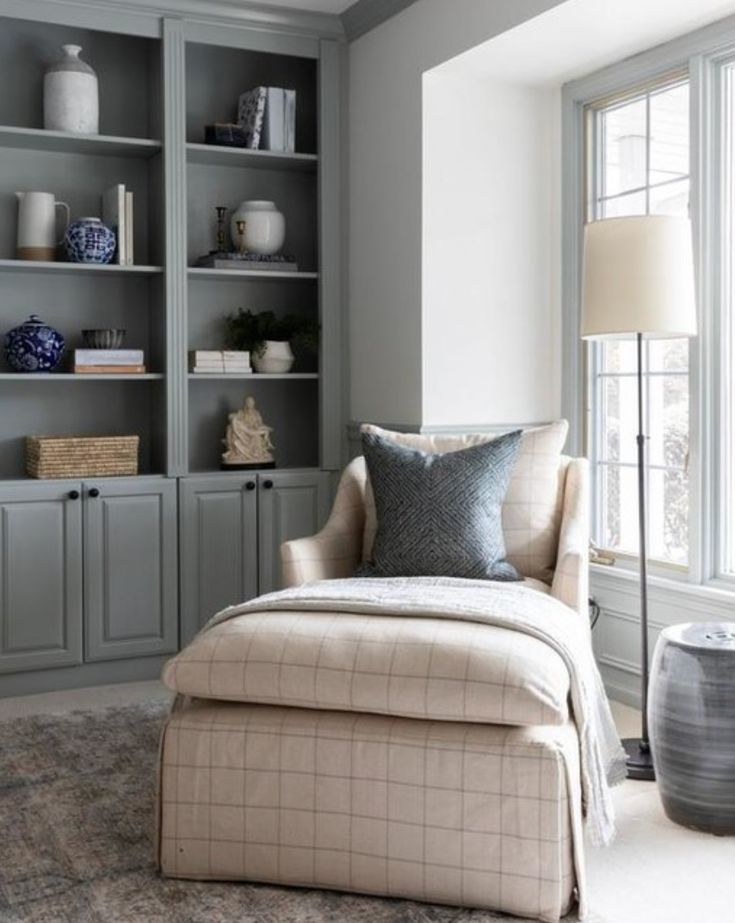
(265, 227)
(276, 358)
(71, 95)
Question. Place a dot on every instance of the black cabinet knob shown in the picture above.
(73, 494)
(250, 485)
(268, 484)
(93, 492)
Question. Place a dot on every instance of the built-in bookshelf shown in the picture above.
(136, 90)
(227, 176)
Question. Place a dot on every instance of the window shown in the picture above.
(638, 164)
(725, 326)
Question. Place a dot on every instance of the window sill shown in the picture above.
(670, 589)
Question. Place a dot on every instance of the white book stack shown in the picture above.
(219, 362)
(109, 361)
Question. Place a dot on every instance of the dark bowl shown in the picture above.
(104, 338)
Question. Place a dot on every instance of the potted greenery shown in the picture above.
(269, 338)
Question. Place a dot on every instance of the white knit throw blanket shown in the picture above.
(509, 605)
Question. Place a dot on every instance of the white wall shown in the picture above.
(385, 191)
(491, 319)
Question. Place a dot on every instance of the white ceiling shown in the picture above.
(579, 36)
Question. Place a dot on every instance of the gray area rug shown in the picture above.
(76, 809)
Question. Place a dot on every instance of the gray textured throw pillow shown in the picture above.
(439, 515)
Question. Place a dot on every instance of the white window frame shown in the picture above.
(702, 55)
(594, 373)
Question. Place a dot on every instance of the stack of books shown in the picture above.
(249, 261)
(219, 362)
(109, 361)
(117, 213)
(267, 115)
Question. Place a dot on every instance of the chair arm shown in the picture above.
(571, 577)
(336, 550)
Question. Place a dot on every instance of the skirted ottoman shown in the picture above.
(444, 812)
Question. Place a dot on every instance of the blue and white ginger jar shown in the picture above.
(87, 240)
(33, 346)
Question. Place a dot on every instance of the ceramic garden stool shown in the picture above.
(692, 724)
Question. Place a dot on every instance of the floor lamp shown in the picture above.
(638, 282)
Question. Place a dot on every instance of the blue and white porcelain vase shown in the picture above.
(33, 346)
(87, 240)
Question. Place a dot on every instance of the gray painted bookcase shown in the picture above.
(101, 579)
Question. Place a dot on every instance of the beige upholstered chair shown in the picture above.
(281, 786)
(341, 545)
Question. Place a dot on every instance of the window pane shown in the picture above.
(728, 326)
(669, 129)
(668, 515)
(619, 356)
(668, 420)
(634, 203)
(668, 355)
(619, 495)
(624, 131)
(671, 199)
(642, 167)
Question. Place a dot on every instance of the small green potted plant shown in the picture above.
(269, 338)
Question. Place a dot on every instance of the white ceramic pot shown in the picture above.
(37, 237)
(276, 358)
(71, 95)
(265, 227)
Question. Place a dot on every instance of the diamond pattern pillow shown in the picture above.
(532, 506)
(439, 514)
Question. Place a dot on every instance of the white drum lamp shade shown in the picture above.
(638, 277)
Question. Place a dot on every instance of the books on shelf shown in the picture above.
(109, 369)
(268, 118)
(248, 262)
(219, 362)
(117, 213)
(109, 361)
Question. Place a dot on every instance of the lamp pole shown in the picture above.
(639, 762)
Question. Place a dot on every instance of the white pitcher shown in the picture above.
(37, 237)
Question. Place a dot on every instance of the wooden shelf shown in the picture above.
(217, 376)
(71, 376)
(111, 269)
(238, 274)
(38, 139)
(218, 155)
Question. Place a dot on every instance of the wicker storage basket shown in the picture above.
(81, 456)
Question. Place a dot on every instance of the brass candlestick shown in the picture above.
(240, 225)
(221, 242)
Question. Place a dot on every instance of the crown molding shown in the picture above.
(219, 12)
(365, 15)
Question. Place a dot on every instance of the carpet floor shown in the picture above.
(76, 837)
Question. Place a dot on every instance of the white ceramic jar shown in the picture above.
(277, 358)
(71, 95)
(265, 227)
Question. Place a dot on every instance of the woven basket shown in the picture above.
(81, 456)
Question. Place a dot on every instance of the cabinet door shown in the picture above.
(130, 572)
(218, 540)
(292, 504)
(40, 576)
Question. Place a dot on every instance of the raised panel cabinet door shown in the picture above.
(218, 541)
(40, 576)
(130, 568)
(291, 504)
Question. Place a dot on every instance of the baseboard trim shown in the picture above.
(87, 674)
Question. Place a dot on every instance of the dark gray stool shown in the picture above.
(691, 713)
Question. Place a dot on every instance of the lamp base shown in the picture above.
(639, 761)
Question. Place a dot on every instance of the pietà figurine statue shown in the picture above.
(247, 441)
